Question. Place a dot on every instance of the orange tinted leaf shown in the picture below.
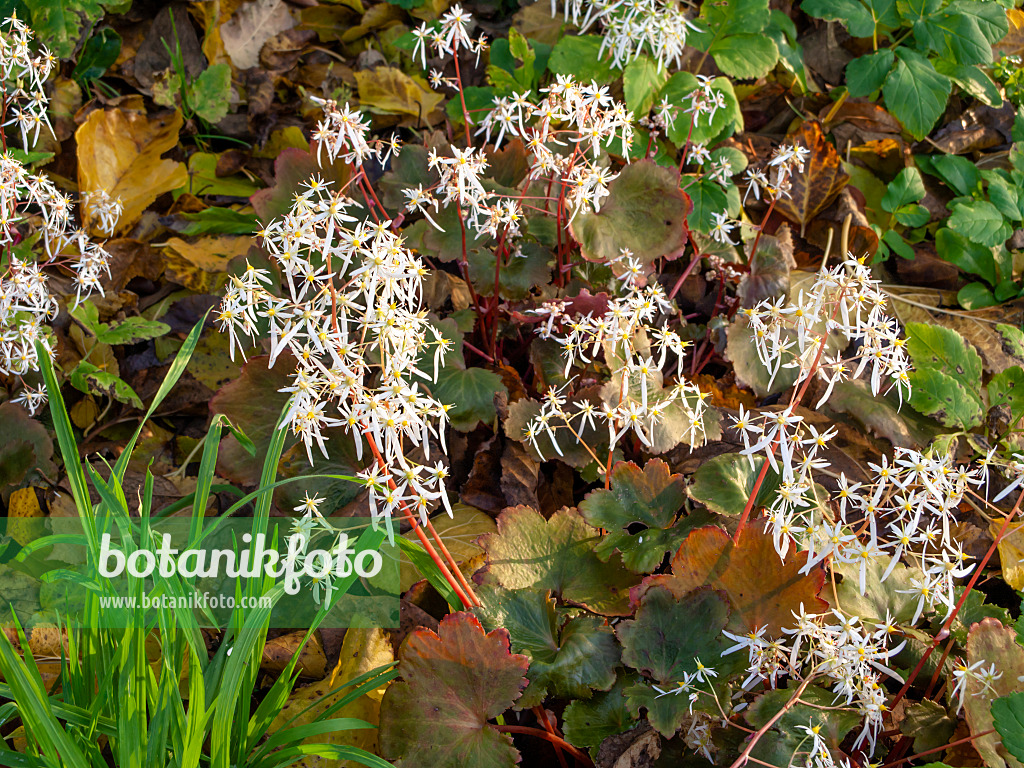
(761, 589)
(820, 181)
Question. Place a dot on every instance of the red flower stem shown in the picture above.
(959, 604)
(580, 756)
(542, 717)
(793, 403)
(462, 99)
(686, 273)
(452, 581)
(745, 755)
(964, 740)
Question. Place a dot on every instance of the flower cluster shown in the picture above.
(847, 652)
(29, 200)
(631, 28)
(637, 348)
(349, 316)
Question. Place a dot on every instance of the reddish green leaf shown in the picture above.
(645, 212)
(453, 682)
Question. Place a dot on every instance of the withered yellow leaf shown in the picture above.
(120, 152)
(388, 89)
(1011, 552)
(361, 651)
(202, 266)
(24, 516)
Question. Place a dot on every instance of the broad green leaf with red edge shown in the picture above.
(762, 589)
(453, 682)
(557, 554)
(645, 212)
(651, 497)
(670, 633)
(992, 643)
(568, 660)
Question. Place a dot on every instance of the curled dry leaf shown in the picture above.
(389, 89)
(819, 183)
(119, 152)
(252, 25)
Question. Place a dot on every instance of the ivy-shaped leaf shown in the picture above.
(650, 497)
(588, 722)
(557, 554)
(453, 682)
(568, 660)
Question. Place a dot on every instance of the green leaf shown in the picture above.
(867, 73)
(588, 722)
(650, 498)
(943, 349)
(954, 36)
(915, 93)
(855, 17)
(980, 222)
(220, 221)
(943, 398)
(1006, 197)
(645, 212)
(580, 56)
(567, 661)
(958, 172)
(745, 56)
(1012, 340)
(723, 124)
(527, 268)
(895, 241)
(99, 53)
(211, 93)
(470, 392)
(132, 330)
(1008, 718)
(971, 257)
(557, 554)
(990, 17)
(973, 80)
(976, 296)
(641, 80)
(907, 187)
(724, 484)
(708, 198)
(669, 634)
(58, 23)
(453, 682)
(1007, 388)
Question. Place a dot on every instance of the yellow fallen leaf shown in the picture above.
(24, 516)
(361, 651)
(459, 533)
(389, 89)
(119, 152)
(1011, 552)
(202, 266)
